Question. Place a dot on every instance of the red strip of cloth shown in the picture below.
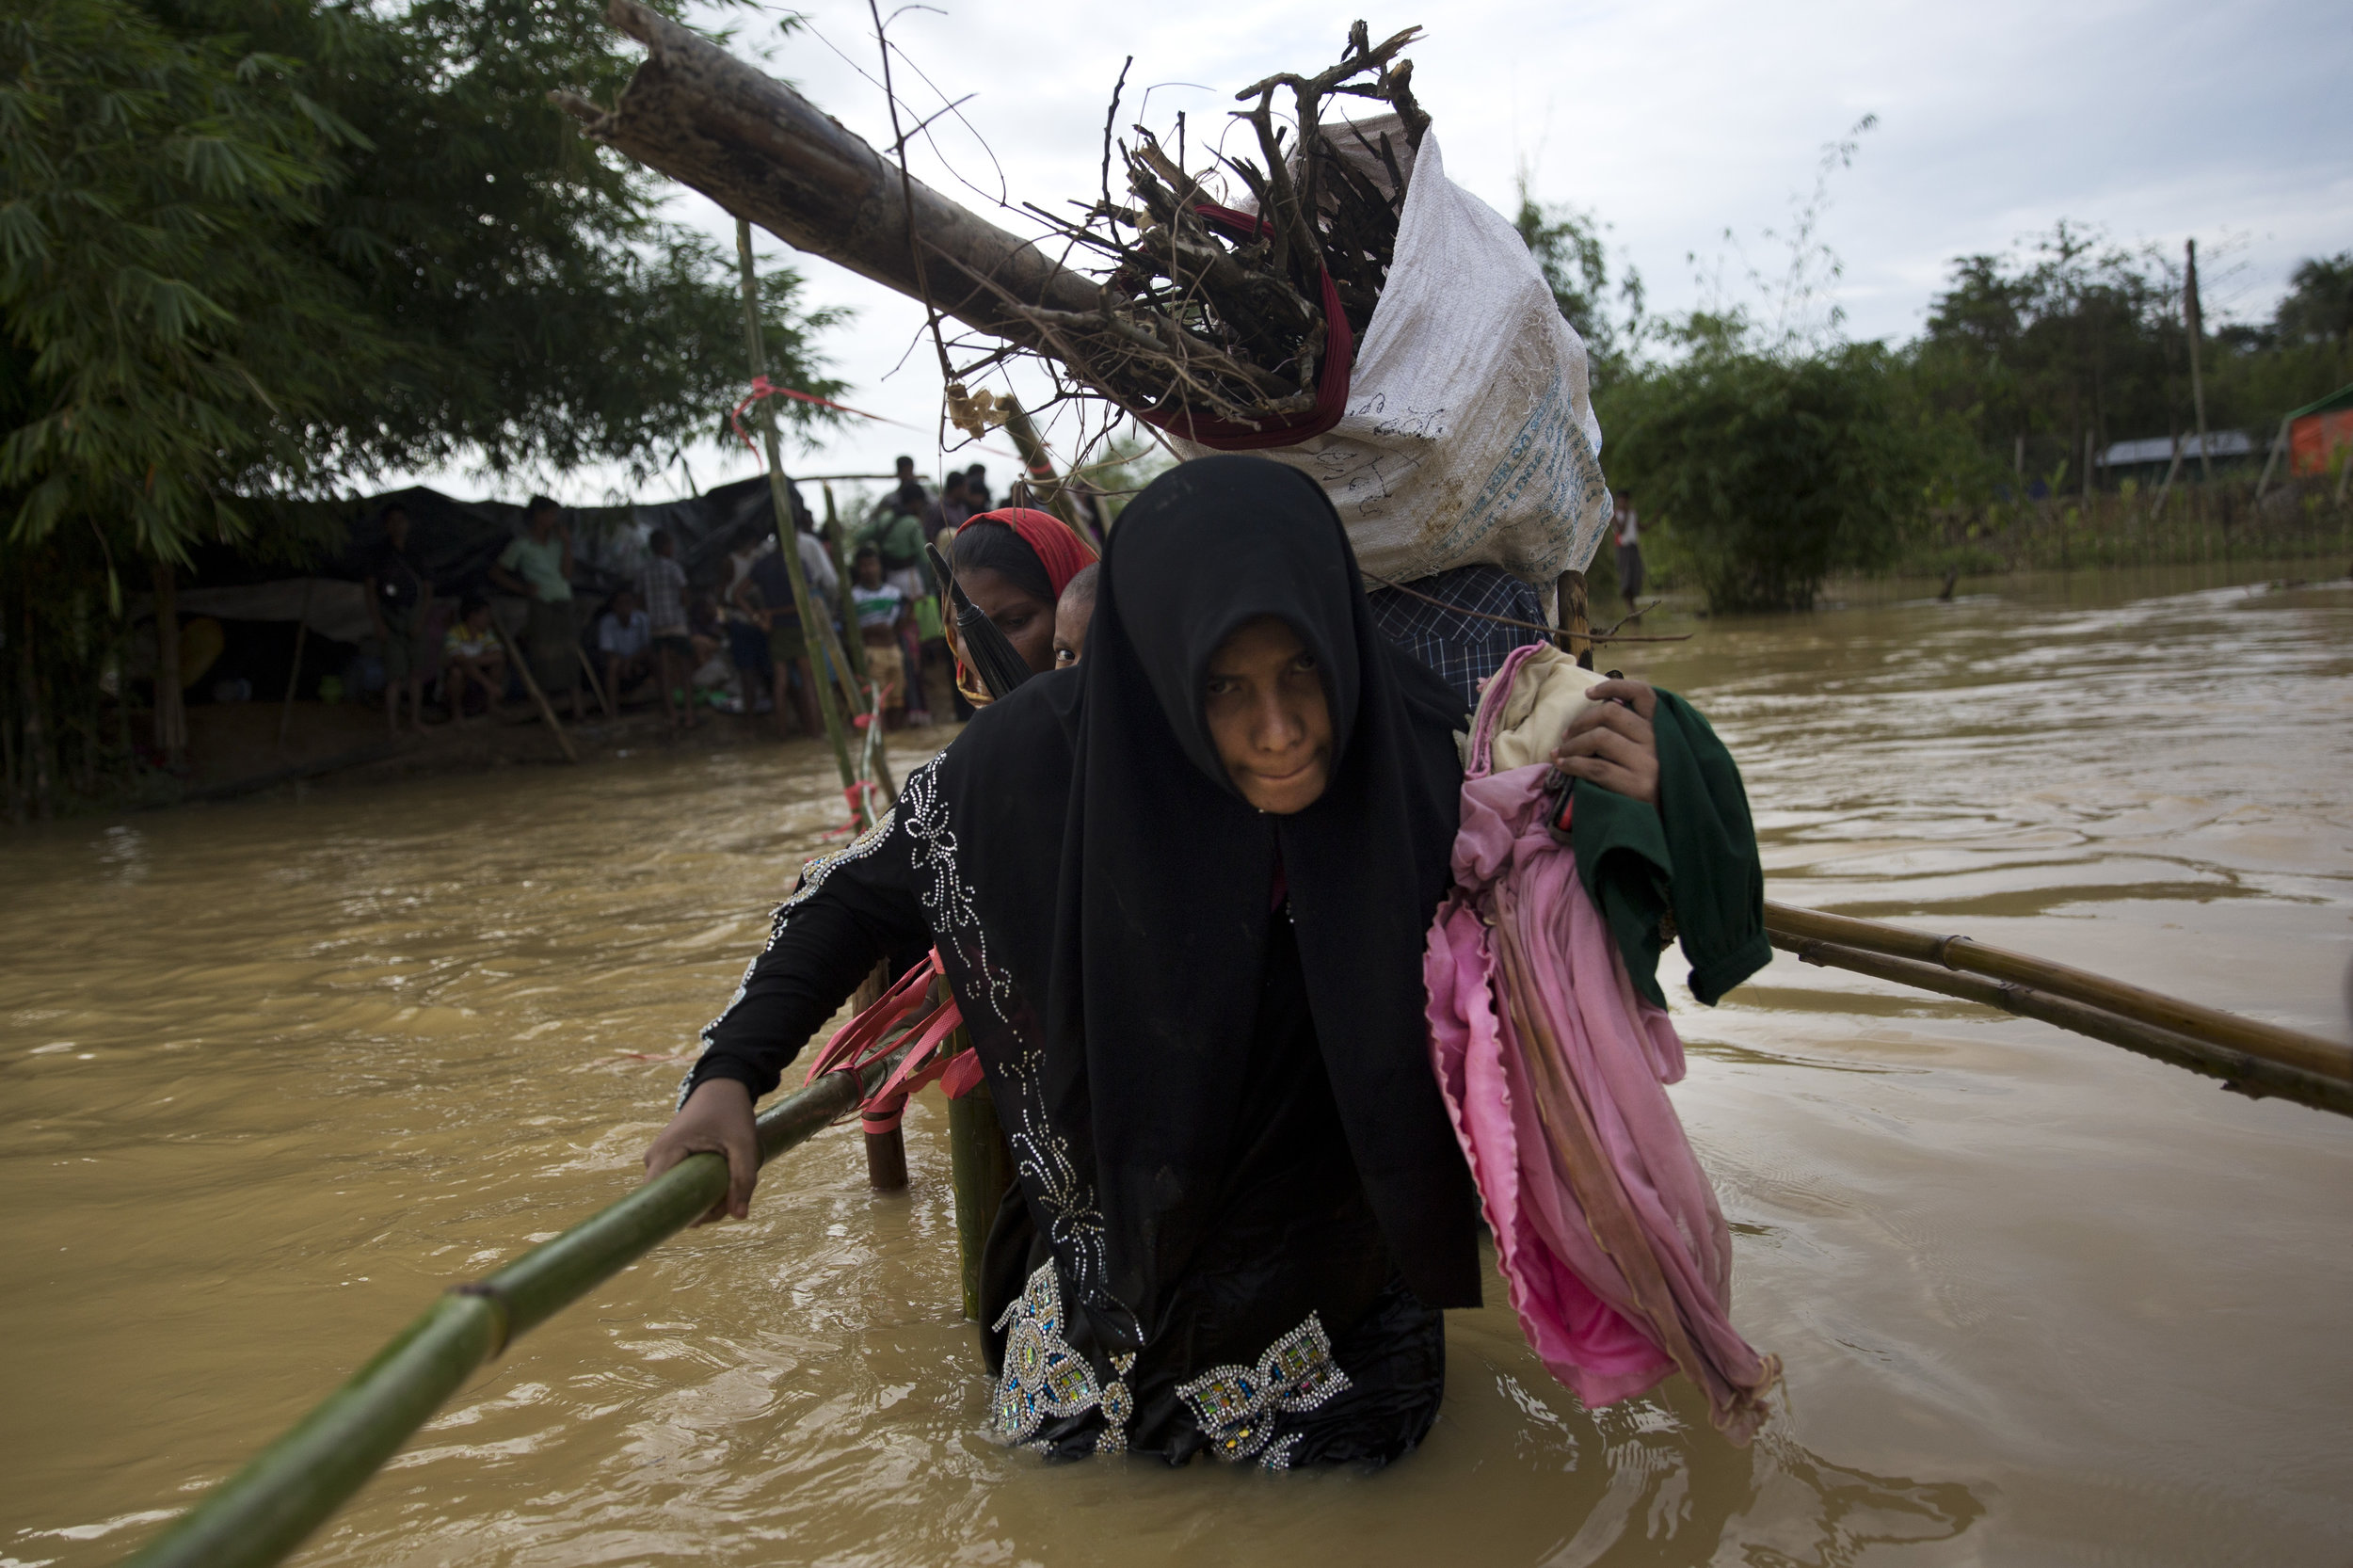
(1339, 360)
(867, 1035)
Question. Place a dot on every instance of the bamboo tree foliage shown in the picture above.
(163, 343)
(1774, 472)
(257, 249)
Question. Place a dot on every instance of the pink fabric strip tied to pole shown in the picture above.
(1555, 1072)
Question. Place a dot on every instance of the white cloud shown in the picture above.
(1671, 119)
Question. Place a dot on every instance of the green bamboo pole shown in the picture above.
(1047, 492)
(2275, 1043)
(787, 534)
(264, 1511)
(980, 1168)
(2251, 1076)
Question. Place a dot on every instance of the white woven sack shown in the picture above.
(1469, 435)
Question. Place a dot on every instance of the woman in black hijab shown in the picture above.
(1181, 893)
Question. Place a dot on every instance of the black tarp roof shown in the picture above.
(455, 541)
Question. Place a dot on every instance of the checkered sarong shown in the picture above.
(1464, 649)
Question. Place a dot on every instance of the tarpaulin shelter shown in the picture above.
(2318, 430)
(453, 542)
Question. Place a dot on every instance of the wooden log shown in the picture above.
(2253, 1075)
(769, 156)
(2288, 1048)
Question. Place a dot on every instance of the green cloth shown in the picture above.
(898, 536)
(1688, 870)
(539, 565)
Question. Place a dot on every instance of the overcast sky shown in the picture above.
(1671, 121)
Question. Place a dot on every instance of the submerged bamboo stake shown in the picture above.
(2288, 1048)
(2254, 1076)
(531, 685)
(886, 1152)
(980, 1170)
(264, 1511)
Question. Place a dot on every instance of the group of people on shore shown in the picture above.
(732, 637)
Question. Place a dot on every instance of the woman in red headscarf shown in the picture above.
(1012, 565)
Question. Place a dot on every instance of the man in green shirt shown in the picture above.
(539, 567)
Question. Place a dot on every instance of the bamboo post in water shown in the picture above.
(886, 1152)
(264, 1511)
(2194, 320)
(981, 1169)
(788, 532)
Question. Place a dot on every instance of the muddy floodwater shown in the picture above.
(271, 1075)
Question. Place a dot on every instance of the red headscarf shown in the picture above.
(1054, 542)
(1058, 550)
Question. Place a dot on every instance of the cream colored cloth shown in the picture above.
(1537, 707)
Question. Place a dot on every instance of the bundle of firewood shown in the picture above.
(1208, 314)
(1199, 317)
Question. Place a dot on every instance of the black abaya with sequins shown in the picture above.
(1240, 1201)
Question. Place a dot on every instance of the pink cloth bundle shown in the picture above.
(1555, 1073)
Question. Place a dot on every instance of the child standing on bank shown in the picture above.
(882, 612)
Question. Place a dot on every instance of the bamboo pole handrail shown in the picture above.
(2254, 1076)
(261, 1513)
(2288, 1048)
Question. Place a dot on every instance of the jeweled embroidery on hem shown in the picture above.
(1045, 1373)
(1239, 1408)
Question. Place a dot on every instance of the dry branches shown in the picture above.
(1214, 320)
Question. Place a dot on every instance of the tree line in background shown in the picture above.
(254, 251)
(1766, 453)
